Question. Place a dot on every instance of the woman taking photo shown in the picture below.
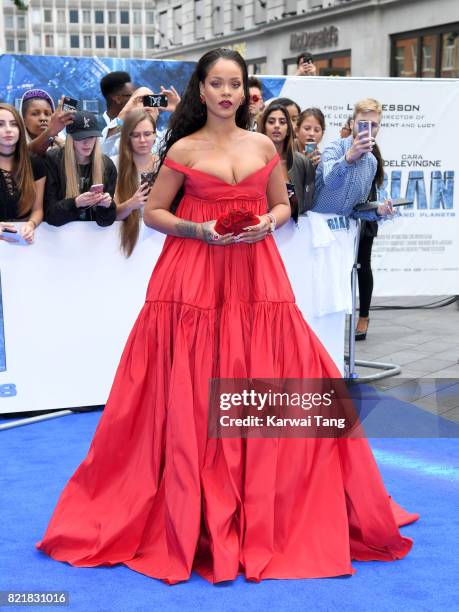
(156, 491)
(296, 169)
(43, 121)
(136, 167)
(80, 179)
(309, 131)
(22, 179)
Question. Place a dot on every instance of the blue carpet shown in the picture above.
(421, 474)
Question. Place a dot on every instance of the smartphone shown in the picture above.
(310, 147)
(290, 189)
(155, 100)
(13, 235)
(69, 104)
(364, 126)
(99, 188)
(307, 59)
(374, 205)
(146, 177)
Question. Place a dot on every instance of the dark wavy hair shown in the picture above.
(289, 138)
(191, 114)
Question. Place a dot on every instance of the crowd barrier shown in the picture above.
(70, 300)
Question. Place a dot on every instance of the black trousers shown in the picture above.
(365, 275)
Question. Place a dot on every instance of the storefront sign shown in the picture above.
(327, 37)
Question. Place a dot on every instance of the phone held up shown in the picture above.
(99, 188)
(310, 147)
(69, 104)
(364, 126)
(155, 100)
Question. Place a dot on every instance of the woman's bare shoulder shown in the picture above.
(184, 150)
(263, 143)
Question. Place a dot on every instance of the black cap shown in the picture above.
(85, 125)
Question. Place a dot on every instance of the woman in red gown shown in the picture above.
(154, 492)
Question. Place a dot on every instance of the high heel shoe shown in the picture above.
(362, 334)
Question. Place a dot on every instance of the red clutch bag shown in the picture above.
(234, 221)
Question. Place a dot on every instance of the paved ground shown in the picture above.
(425, 343)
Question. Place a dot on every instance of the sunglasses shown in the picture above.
(255, 98)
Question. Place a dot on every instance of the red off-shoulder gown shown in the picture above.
(158, 495)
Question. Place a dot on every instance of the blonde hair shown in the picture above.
(128, 178)
(367, 105)
(72, 174)
(22, 166)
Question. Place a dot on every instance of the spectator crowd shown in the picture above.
(59, 164)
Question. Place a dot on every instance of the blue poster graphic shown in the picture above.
(79, 77)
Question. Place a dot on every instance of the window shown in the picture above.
(112, 42)
(137, 17)
(73, 16)
(238, 15)
(217, 17)
(163, 28)
(9, 22)
(100, 41)
(87, 41)
(260, 11)
(405, 58)
(150, 42)
(125, 42)
(429, 53)
(290, 7)
(47, 15)
(177, 17)
(61, 15)
(22, 45)
(87, 16)
(10, 44)
(111, 16)
(49, 41)
(74, 41)
(137, 42)
(124, 17)
(61, 41)
(36, 15)
(257, 66)
(329, 64)
(37, 41)
(20, 20)
(99, 16)
(450, 55)
(150, 17)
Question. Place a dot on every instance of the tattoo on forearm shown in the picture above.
(187, 229)
(207, 233)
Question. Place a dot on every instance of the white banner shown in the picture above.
(418, 254)
(71, 298)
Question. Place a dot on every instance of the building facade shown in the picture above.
(108, 28)
(405, 38)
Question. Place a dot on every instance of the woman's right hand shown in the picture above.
(87, 199)
(60, 119)
(208, 234)
(140, 197)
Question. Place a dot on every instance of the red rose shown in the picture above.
(234, 221)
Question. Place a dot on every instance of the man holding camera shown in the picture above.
(305, 65)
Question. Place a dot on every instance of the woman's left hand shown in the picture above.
(385, 209)
(315, 157)
(105, 200)
(255, 233)
(27, 231)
